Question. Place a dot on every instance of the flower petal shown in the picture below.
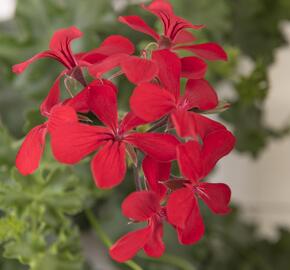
(190, 161)
(138, 24)
(52, 98)
(194, 229)
(184, 36)
(62, 38)
(19, 68)
(163, 10)
(169, 70)
(72, 141)
(130, 121)
(103, 103)
(81, 101)
(157, 145)
(180, 204)
(199, 94)
(209, 51)
(155, 246)
(205, 125)
(106, 65)
(115, 44)
(215, 146)
(193, 68)
(128, 246)
(31, 150)
(109, 165)
(139, 70)
(150, 102)
(216, 196)
(184, 124)
(156, 172)
(61, 115)
(141, 205)
(60, 45)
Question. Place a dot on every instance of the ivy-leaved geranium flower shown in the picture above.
(151, 101)
(141, 206)
(174, 36)
(145, 206)
(72, 142)
(60, 50)
(195, 163)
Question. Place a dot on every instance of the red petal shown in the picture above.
(156, 172)
(60, 45)
(189, 160)
(169, 70)
(180, 204)
(30, 152)
(141, 205)
(138, 24)
(106, 65)
(115, 44)
(139, 70)
(109, 165)
(130, 121)
(205, 125)
(150, 102)
(81, 102)
(61, 115)
(159, 146)
(184, 36)
(155, 246)
(62, 37)
(208, 51)
(19, 68)
(72, 142)
(216, 196)
(199, 94)
(163, 10)
(103, 103)
(194, 228)
(193, 68)
(59, 49)
(128, 246)
(52, 98)
(215, 146)
(184, 123)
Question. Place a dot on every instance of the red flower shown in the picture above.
(30, 152)
(195, 162)
(141, 206)
(60, 50)
(72, 142)
(144, 206)
(152, 102)
(174, 33)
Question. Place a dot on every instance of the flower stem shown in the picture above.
(104, 237)
(137, 179)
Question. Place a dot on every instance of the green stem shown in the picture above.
(172, 260)
(104, 238)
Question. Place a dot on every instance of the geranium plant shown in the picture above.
(167, 124)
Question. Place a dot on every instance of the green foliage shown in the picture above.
(35, 227)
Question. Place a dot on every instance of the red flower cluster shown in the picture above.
(176, 127)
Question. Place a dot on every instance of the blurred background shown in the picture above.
(43, 224)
